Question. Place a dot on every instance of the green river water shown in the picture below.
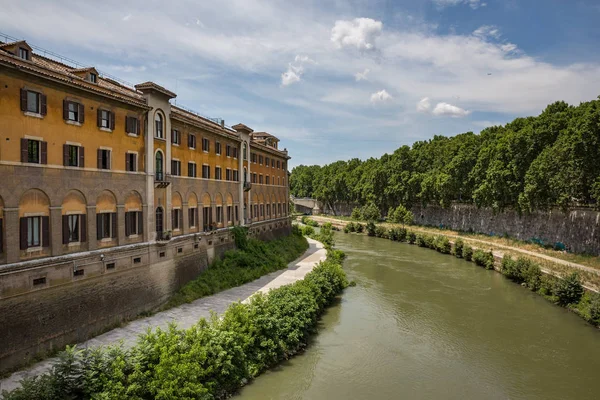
(422, 325)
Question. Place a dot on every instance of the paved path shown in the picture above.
(188, 314)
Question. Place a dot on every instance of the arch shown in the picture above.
(106, 202)
(74, 203)
(176, 200)
(159, 124)
(192, 200)
(218, 199)
(133, 201)
(206, 200)
(229, 199)
(34, 201)
(255, 197)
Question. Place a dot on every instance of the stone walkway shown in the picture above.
(188, 314)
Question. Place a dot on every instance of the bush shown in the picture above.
(411, 237)
(547, 285)
(308, 230)
(442, 244)
(360, 228)
(458, 248)
(356, 214)
(467, 252)
(594, 308)
(210, 360)
(392, 234)
(370, 212)
(568, 290)
(400, 215)
(371, 228)
(532, 275)
(420, 240)
(484, 259)
(310, 222)
(380, 232)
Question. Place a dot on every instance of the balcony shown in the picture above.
(247, 186)
(160, 180)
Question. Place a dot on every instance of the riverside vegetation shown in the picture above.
(566, 292)
(212, 359)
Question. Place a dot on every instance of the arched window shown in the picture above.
(158, 121)
(245, 151)
(159, 166)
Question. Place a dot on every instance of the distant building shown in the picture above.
(88, 163)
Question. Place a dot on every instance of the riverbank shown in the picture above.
(565, 288)
(186, 315)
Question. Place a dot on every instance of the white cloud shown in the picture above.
(200, 23)
(474, 4)
(448, 110)
(424, 105)
(362, 76)
(127, 17)
(487, 31)
(123, 68)
(381, 97)
(295, 70)
(508, 47)
(360, 33)
(304, 59)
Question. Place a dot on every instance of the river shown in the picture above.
(422, 325)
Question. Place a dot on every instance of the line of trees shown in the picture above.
(529, 164)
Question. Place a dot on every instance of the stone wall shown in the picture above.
(116, 284)
(578, 229)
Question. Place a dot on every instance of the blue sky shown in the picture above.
(336, 79)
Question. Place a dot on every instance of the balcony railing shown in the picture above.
(161, 179)
(247, 186)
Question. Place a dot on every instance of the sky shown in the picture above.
(335, 79)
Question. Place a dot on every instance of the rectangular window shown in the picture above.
(278, 164)
(260, 179)
(176, 214)
(34, 231)
(72, 111)
(131, 162)
(272, 163)
(191, 141)
(260, 160)
(207, 218)
(205, 145)
(237, 215)
(193, 217)
(219, 214)
(23, 53)
(268, 210)
(33, 151)
(229, 213)
(133, 223)
(33, 102)
(228, 150)
(267, 162)
(279, 208)
(206, 171)
(73, 228)
(176, 137)
(105, 225)
(218, 148)
(254, 178)
(235, 152)
(267, 179)
(132, 125)
(236, 175)
(191, 170)
(218, 173)
(103, 159)
(105, 119)
(228, 174)
(175, 168)
(72, 156)
(93, 77)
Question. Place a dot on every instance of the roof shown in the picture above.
(151, 86)
(265, 134)
(54, 70)
(11, 44)
(242, 128)
(202, 122)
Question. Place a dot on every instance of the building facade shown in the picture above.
(88, 163)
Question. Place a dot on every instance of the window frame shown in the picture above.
(175, 167)
(205, 145)
(108, 152)
(133, 159)
(38, 102)
(25, 52)
(159, 122)
(93, 77)
(75, 112)
(31, 240)
(218, 148)
(218, 173)
(38, 143)
(193, 171)
(206, 167)
(106, 225)
(77, 230)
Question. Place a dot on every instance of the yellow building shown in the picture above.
(90, 163)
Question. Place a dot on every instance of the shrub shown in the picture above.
(370, 212)
(532, 274)
(429, 241)
(458, 248)
(347, 228)
(484, 259)
(360, 228)
(594, 308)
(371, 228)
(420, 240)
(308, 230)
(547, 285)
(400, 215)
(568, 290)
(380, 232)
(411, 237)
(310, 222)
(356, 214)
(510, 270)
(467, 252)
(442, 244)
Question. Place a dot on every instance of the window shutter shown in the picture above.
(23, 233)
(128, 125)
(65, 229)
(1, 238)
(24, 150)
(99, 158)
(190, 217)
(43, 104)
(180, 219)
(137, 126)
(81, 157)
(44, 153)
(65, 155)
(98, 226)
(172, 135)
(127, 163)
(99, 118)
(81, 113)
(114, 225)
(127, 223)
(23, 100)
(172, 219)
(45, 231)
(65, 110)
(112, 120)
(140, 227)
(83, 227)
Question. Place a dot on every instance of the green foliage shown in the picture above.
(309, 222)
(411, 237)
(241, 266)
(360, 228)
(380, 232)
(594, 309)
(442, 244)
(528, 164)
(522, 270)
(307, 230)
(397, 234)
(484, 259)
(467, 252)
(568, 290)
(210, 360)
(356, 214)
(370, 212)
(325, 236)
(240, 235)
(458, 248)
(371, 228)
